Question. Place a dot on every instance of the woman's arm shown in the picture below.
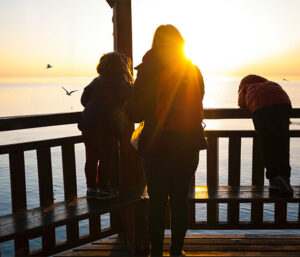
(201, 82)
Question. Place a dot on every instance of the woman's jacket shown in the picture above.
(104, 101)
(254, 96)
(167, 96)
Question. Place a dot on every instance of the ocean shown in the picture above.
(41, 96)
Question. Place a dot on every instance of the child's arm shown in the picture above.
(242, 98)
(87, 92)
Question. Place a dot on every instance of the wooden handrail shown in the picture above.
(39, 120)
(44, 120)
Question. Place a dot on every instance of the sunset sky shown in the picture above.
(223, 37)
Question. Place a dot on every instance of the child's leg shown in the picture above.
(265, 130)
(92, 153)
(283, 140)
(107, 159)
(272, 127)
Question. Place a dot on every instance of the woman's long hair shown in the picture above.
(115, 66)
(168, 35)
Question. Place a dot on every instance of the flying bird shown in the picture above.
(69, 93)
(284, 79)
(48, 66)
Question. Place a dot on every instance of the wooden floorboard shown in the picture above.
(206, 245)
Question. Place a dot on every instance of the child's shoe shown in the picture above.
(113, 191)
(104, 194)
(182, 253)
(273, 185)
(284, 185)
(91, 193)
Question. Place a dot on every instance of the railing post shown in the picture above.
(18, 196)
(70, 185)
(212, 176)
(280, 212)
(131, 172)
(46, 190)
(257, 208)
(234, 176)
(257, 164)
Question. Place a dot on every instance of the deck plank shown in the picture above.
(57, 214)
(242, 194)
(206, 245)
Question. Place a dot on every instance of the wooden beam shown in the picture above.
(131, 171)
(122, 27)
(43, 120)
(111, 3)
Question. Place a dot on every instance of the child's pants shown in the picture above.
(272, 127)
(101, 156)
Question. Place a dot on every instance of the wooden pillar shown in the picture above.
(122, 27)
(131, 171)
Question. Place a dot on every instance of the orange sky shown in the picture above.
(229, 37)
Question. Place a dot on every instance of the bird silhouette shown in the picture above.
(284, 79)
(49, 66)
(69, 92)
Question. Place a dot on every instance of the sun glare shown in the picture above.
(221, 40)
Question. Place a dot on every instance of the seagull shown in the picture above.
(284, 79)
(69, 93)
(48, 66)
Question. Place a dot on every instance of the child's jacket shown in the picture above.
(254, 96)
(104, 102)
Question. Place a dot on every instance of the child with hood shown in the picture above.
(101, 121)
(270, 106)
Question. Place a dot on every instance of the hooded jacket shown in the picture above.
(255, 96)
(162, 100)
(104, 102)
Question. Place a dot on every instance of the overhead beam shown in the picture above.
(111, 3)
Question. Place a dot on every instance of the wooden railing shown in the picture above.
(24, 224)
(45, 180)
(255, 194)
(212, 195)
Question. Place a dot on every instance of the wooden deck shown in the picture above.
(206, 245)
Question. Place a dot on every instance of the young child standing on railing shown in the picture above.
(271, 107)
(102, 120)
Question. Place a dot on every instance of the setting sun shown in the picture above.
(222, 37)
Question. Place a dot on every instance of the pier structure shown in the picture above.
(127, 229)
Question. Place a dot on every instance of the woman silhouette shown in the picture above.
(167, 96)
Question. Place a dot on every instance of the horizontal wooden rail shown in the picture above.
(41, 143)
(78, 139)
(37, 121)
(44, 120)
(230, 113)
